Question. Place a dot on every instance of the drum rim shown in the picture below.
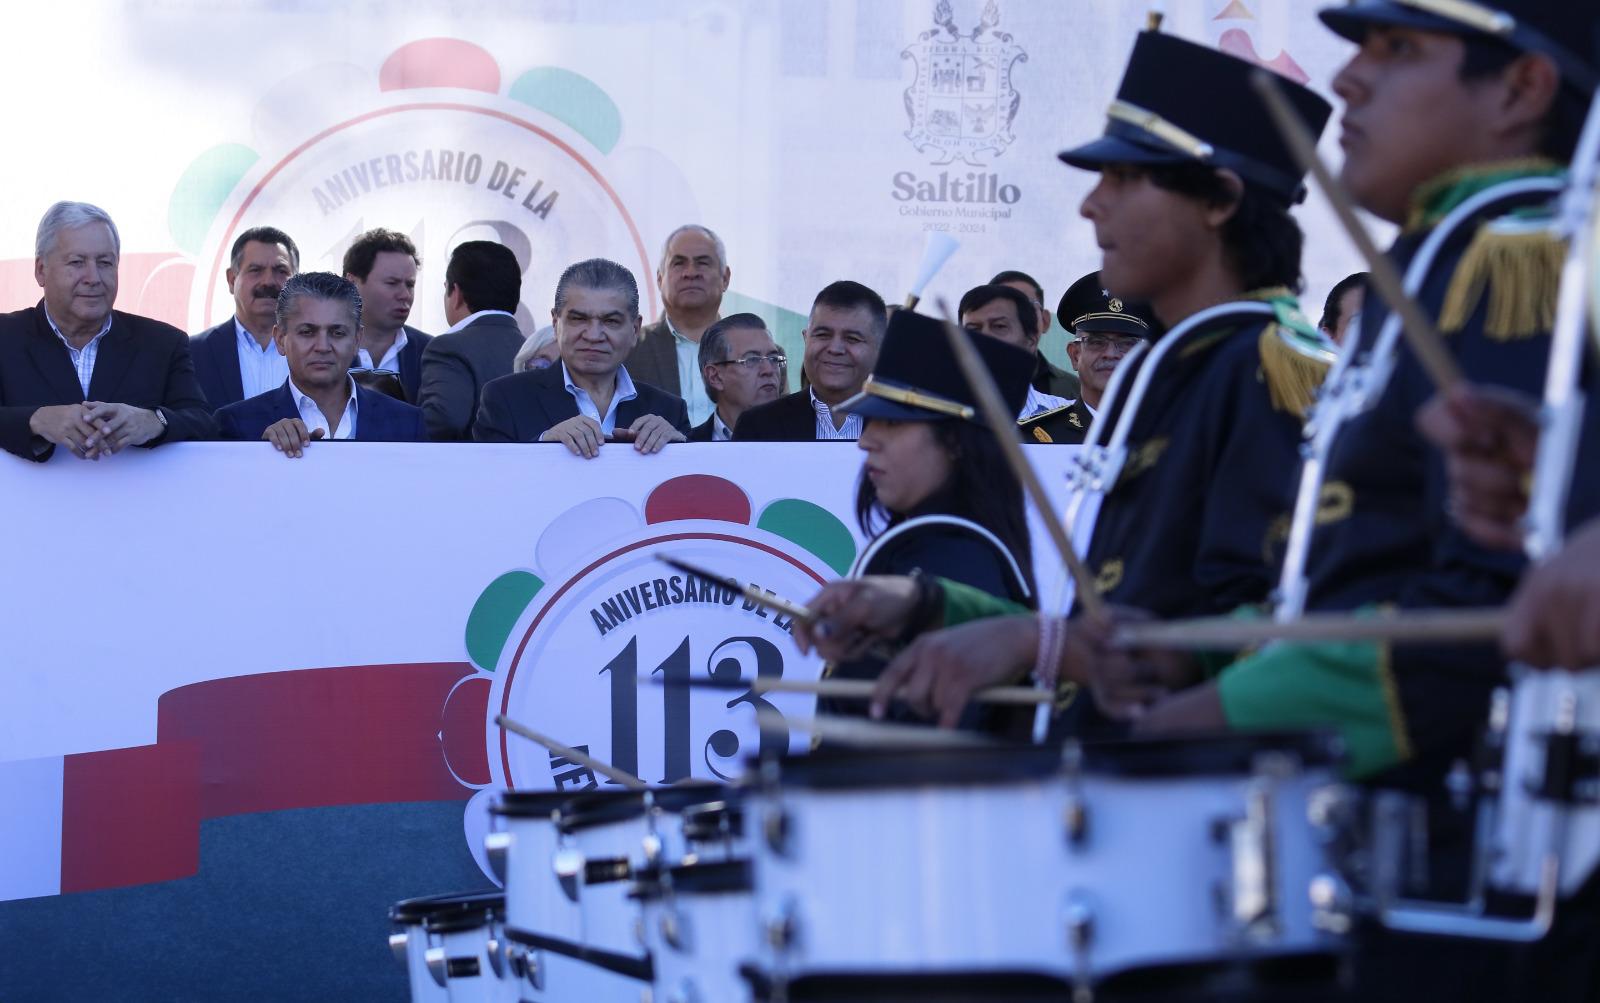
(601, 807)
(415, 911)
(1211, 753)
(840, 769)
(529, 804)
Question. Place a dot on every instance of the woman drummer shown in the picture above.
(1192, 214)
(935, 494)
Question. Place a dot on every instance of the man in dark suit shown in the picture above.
(589, 398)
(75, 373)
(319, 315)
(1047, 377)
(483, 285)
(842, 336)
(743, 367)
(692, 277)
(238, 358)
(383, 264)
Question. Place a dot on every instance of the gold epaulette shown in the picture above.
(1517, 264)
(1292, 377)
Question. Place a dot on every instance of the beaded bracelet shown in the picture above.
(1052, 644)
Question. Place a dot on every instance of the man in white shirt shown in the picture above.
(319, 315)
(842, 338)
(239, 358)
(383, 264)
(589, 398)
(743, 367)
(692, 277)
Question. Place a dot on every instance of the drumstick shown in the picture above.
(567, 752)
(766, 600)
(851, 689)
(877, 734)
(1430, 350)
(1004, 425)
(1221, 633)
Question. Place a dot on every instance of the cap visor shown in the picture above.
(1115, 150)
(873, 406)
(1351, 22)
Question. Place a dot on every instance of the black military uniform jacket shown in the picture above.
(1383, 535)
(1068, 424)
(1187, 529)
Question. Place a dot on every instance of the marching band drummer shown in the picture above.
(935, 494)
(1192, 212)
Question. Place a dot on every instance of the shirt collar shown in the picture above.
(243, 333)
(817, 404)
(57, 329)
(395, 348)
(469, 318)
(625, 388)
(719, 428)
(301, 400)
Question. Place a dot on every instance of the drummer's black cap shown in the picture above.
(1567, 31)
(1182, 103)
(917, 378)
(1086, 306)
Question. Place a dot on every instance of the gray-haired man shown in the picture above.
(692, 276)
(742, 367)
(74, 372)
(589, 397)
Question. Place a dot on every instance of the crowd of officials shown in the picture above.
(309, 356)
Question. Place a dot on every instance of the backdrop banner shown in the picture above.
(248, 702)
(822, 140)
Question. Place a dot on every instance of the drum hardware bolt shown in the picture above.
(776, 827)
(517, 960)
(1080, 935)
(1076, 820)
(438, 966)
(496, 846)
(782, 928)
(1331, 904)
(497, 957)
(672, 930)
(685, 993)
(397, 946)
(652, 847)
(533, 969)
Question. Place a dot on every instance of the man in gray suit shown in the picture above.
(692, 276)
(483, 284)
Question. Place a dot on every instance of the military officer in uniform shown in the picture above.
(1105, 328)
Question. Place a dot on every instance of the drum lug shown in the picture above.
(776, 827)
(438, 966)
(1332, 904)
(673, 930)
(1249, 896)
(568, 865)
(397, 944)
(684, 992)
(496, 953)
(496, 847)
(1075, 812)
(783, 928)
(1080, 928)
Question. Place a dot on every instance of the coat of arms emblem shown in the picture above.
(962, 103)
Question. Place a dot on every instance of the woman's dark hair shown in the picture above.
(1486, 57)
(1262, 241)
(981, 488)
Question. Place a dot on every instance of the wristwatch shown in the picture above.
(162, 419)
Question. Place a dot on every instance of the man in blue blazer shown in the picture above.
(239, 358)
(589, 398)
(383, 264)
(319, 315)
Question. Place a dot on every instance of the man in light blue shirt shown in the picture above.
(238, 359)
(692, 276)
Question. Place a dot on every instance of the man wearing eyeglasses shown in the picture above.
(742, 367)
(1107, 329)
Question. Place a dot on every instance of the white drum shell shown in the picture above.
(984, 877)
(535, 901)
(1526, 828)
(716, 933)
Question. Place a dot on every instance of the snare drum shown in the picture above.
(1549, 808)
(453, 949)
(700, 927)
(1128, 856)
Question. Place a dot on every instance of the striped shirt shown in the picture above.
(825, 429)
(82, 358)
(260, 369)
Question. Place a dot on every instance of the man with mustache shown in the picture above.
(238, 358)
